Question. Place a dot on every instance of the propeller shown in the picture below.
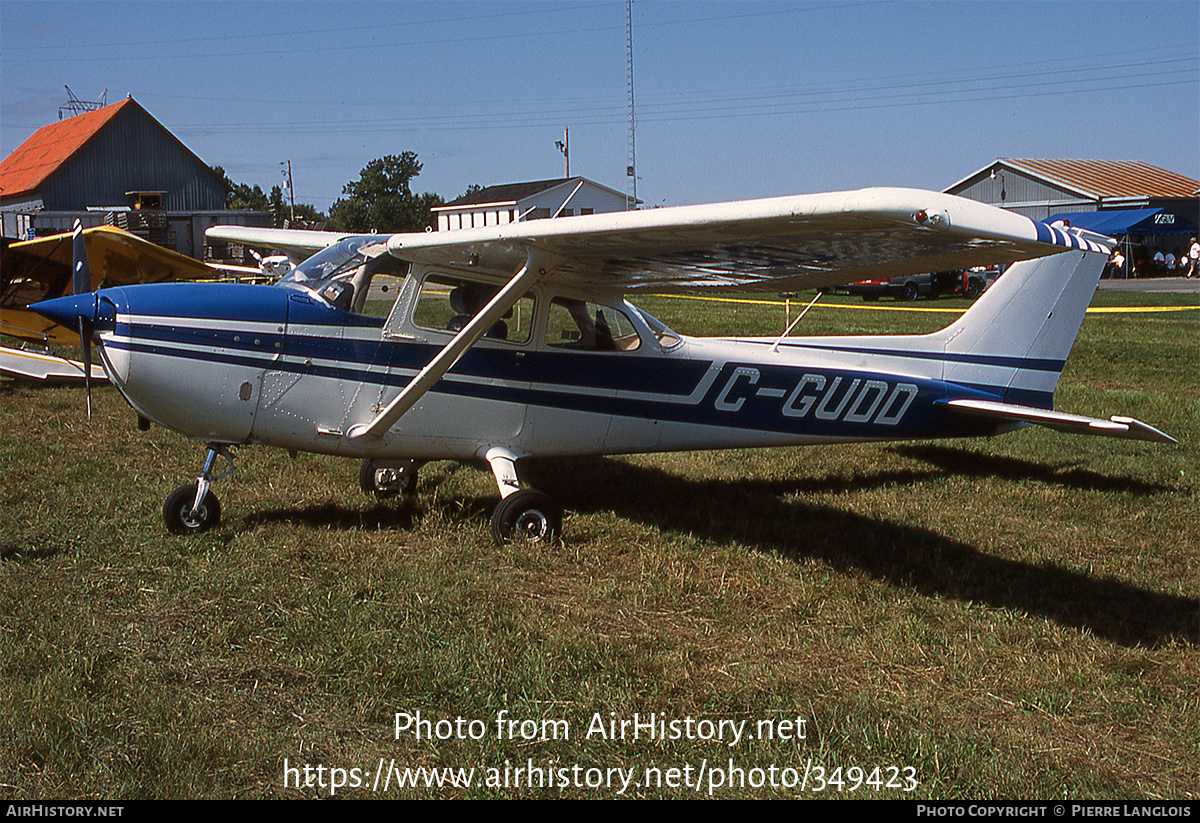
(81, 283)
(85, 311)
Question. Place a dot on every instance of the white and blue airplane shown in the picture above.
(516, 340)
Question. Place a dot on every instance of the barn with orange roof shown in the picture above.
(111, 161)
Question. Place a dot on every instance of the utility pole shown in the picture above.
(291, 192)
(564, 146)
(631, 165)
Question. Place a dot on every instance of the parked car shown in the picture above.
(961, 283)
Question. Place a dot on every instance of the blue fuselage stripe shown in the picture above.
(777, 400)
(1028, 363)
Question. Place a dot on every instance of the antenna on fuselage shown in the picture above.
(799, 317)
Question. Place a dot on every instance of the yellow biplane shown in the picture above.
(41, 269)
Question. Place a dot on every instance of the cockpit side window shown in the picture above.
(448, 303)
(576, 324)
(665, 336)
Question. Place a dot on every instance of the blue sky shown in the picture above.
(733, 99)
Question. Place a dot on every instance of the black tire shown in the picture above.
(526, 516)
(911, 290)
(370, 482)
(974, 288)
(177, 511)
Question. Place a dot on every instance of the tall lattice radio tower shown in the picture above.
(631, 157)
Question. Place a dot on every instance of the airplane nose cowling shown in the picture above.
(66, 311)
(191, 356)
(97, 308)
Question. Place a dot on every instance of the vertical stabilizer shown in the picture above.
(1015, 340)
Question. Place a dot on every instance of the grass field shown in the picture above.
(1005, 618)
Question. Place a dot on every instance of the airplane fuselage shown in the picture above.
(277, 366)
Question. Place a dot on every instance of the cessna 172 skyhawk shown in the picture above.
(516, 340)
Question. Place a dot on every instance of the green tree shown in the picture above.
(279, 210)
(252, 198)
(242, 195)
(381, 200)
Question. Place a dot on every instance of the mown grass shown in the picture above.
(1011, 618)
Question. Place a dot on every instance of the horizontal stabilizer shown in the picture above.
(1125, 427)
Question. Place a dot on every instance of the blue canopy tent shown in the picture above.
(1129, 221)
(1122, 223)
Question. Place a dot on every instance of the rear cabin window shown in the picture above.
(448, 304)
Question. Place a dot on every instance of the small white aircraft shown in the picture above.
(516, 340)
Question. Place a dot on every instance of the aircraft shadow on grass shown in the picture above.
(972, 464)
(764, 514)
(379, 517)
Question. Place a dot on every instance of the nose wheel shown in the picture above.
(194, 509)
(182, 516)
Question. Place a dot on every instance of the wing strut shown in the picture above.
(536, 265)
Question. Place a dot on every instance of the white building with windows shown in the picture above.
(539, 199)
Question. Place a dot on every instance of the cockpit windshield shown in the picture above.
(341, 274)
(337, 261)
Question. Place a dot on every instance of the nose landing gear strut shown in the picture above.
(194, 509)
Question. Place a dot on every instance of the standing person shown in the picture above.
(1194, 258)
(1117, 262)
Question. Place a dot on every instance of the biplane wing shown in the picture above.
(41, 269)
(46, 368)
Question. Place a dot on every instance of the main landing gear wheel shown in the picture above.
(526, 516)
(387, 479)
(181, 517)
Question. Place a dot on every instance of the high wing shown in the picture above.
(297, 244)
(40, 269)
(775, 244)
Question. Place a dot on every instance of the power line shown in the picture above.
(701, 108)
